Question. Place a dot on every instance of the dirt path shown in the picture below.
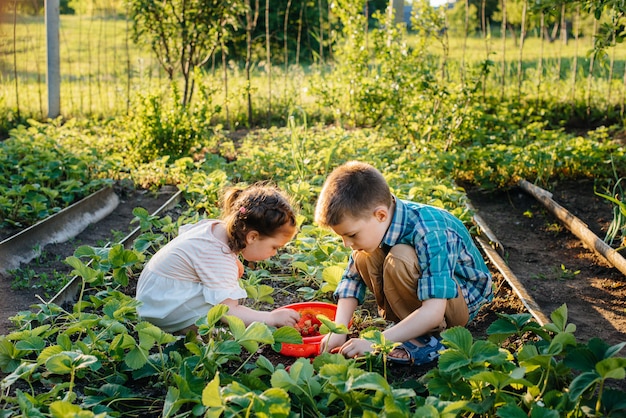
(552, 263)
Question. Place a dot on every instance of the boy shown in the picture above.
(419, 261)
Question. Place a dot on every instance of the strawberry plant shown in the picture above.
(551, 373)
(39, 177)
(102, 359)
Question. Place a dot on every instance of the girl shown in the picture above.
(200, 267)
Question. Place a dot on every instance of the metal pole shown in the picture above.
(398, 7)
(53, 75)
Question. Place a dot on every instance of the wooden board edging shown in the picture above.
(576, 226)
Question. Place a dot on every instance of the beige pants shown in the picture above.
(393, 279)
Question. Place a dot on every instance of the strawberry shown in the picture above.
(308, 325)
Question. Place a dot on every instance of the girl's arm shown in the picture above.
(276, 318)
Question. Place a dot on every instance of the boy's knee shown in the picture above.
(403, 251)
(402, 259)
(368, 263)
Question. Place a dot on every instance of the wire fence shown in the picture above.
(102, 70)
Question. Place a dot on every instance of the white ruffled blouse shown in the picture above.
(188, 276)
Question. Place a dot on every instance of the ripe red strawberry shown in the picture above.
(308, 325)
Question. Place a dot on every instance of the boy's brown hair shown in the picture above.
(353, 189)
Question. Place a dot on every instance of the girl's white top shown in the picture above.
(188, 276)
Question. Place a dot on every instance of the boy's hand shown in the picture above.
(283, 317)
(355, 347)
(335, 341)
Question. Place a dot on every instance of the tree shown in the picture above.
(184, 33)
(457, 17)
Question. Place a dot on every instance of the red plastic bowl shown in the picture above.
(310, 346)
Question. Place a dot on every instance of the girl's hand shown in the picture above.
(240, 269)
(283, 317)
(355, 347)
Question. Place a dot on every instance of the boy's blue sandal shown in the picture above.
(419, 355)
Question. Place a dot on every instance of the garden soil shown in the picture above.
(553, 265)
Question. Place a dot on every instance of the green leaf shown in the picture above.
(136, 358)
(172, 402)
(81, 269)
(215, 314)
(67, 362)
(511, 411)
(499, 380)
(265, 364)
(581, 359)
(211, 393)
(65, 409)
(85, 251)
(331, 277)
(582, 382)
(9, 355)
(559, 319)
(236, 325)
(22, 371)
(613, 350)
(287, 335)
(485, 351)
(273, 403)
(150, 334)
(451, 360)
(122, 341)
(300, 265)
(612, 368)
(504, 326)
(258, 331)
(371, 381)
(427, 411)
(563, 339)
(143, 217)
(121, 257)
(120, 276)
(330, 326)
(613, 400)
(301, 371)
(64, 341)
(282, 379)
(48, 352)
(459, 338)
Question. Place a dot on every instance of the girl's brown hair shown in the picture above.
(260, 207)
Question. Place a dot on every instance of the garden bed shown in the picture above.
(553, 265)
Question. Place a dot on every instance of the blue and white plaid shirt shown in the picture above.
(445, 252)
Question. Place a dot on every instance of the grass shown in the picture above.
(103, 71)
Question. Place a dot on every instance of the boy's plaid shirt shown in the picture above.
(445, 251)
